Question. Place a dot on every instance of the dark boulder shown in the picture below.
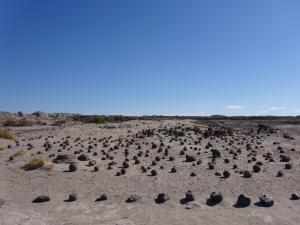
(243, 201)
(215, 197)
(215, 153)
(72, 197)
(295, 196)
(83, 157)
(189, 197)
(247, 174)
(189, 158)
(161, 198)
(226, 174)
(73, 167)
(256, 168)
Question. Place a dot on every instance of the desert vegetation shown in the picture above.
(6, 134)
(98, 119)
(34, 163)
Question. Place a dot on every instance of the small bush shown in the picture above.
(1, 147)
(34, 163)
(98, 119)
(6, 134)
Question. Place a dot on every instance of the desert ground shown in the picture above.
(104, 164)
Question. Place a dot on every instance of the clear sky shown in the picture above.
(135, 57)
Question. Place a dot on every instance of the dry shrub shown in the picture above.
(6, 134)
(1, 147)
(35, 163)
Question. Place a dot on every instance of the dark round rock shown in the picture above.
(189, 197)
(216, 197)
(193, 174)
(132, 198)
(285, 158)
(83, 157)
(226, 174)
(218, 174)
(256, 168)
(247, 174)
(161, 198)
(226, 160)
(288, 166)
(295, 196)
(190, 158)
(279, 174)
(123, 171)
(153, 172)
(41, 198)
(102, 197)
(72, 197)
(211, 167)
(73, 167)
(173, 170)
(243, 201)
(215, 153)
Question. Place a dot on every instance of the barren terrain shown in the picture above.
(146, 158)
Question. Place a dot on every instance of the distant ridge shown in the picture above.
(44, 118)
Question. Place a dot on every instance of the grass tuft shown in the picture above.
(6, 134)
(35, 163)
(98, 119)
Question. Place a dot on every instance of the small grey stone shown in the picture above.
(265, 201)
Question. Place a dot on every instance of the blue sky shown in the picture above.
(137, 57)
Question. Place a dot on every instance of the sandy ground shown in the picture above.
(19, 187)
